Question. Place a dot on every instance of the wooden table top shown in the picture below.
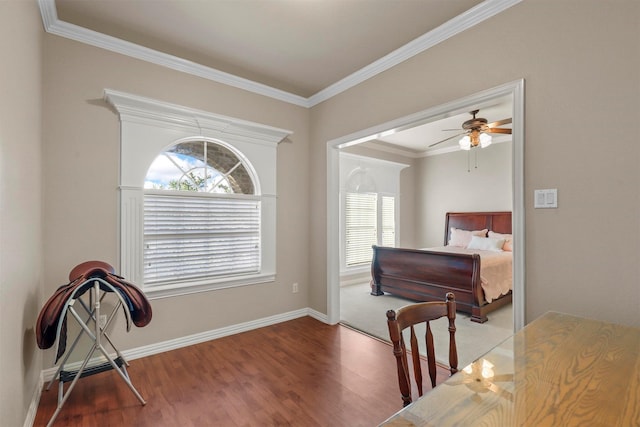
(559, 370)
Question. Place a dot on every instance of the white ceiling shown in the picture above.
(296, 49)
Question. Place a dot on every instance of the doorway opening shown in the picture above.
(515, 92)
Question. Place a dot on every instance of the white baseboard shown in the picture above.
(317, 315)
(35, 401)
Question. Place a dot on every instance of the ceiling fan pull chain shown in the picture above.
(468, 161)
(476, 154)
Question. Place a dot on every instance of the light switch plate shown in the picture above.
(544, 199)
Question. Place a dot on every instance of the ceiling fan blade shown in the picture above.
(446, 139)
(451, 130)
(498, 130)
(500, 122)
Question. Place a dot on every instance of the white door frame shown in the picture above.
(516, 90)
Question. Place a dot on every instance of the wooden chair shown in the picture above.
(409, 316)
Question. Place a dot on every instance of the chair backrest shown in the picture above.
(409, 316)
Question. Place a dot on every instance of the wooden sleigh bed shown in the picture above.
(427, 274)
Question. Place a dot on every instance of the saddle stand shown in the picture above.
(97, 289)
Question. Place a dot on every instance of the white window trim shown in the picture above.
(147, 127)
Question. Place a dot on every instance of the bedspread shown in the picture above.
(496, 277)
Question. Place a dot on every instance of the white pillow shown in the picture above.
(486, 244)
(461, 238)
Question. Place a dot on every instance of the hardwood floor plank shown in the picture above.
(296, 373)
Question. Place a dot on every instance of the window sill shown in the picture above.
(186, 288)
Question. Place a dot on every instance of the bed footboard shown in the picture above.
(424, 275)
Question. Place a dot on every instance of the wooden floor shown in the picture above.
(296, 373)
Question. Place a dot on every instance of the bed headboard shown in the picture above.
(500, 222)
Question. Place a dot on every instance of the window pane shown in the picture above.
(224, 160)
(360, 227)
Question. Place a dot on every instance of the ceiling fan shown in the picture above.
(476, 132)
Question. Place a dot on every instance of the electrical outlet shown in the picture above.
(295, 288)
(102, 320)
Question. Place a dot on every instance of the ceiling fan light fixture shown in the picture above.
(485, 140)
(465, 143)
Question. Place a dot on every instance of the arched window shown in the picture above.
(202, 166)
(201, 215)
(197, 197)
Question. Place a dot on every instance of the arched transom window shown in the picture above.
(201, 166)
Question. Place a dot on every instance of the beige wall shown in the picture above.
(446, 184)
(81, 157)
(20, 207)
(581, 115)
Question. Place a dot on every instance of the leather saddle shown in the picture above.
(80, 281)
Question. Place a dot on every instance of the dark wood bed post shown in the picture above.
(375, 274)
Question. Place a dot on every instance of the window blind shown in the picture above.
(360, 227)
(388, 221)
(195, 237)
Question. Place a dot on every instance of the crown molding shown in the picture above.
(460, 23)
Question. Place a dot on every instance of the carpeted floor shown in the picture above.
(363, 311)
